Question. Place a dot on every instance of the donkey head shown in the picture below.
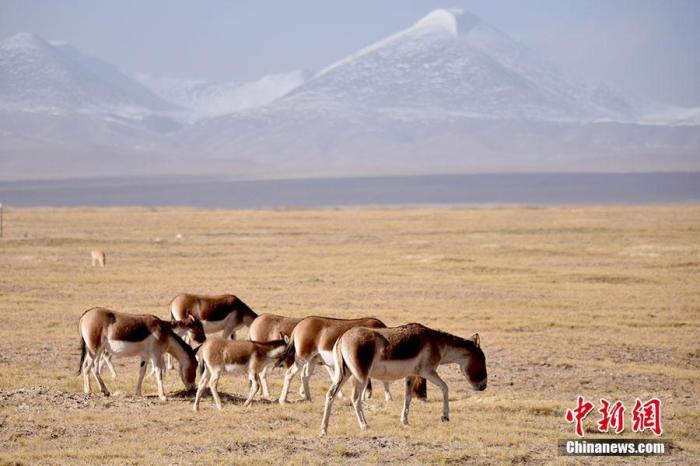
(195, 331)
(473, 367)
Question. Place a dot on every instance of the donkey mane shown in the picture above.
(244, 306)
(187, 348)
(457, 340)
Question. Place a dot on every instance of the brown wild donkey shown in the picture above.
(223, 313)
(143, 336)
(313, 339)
(401, 352)
(238, 357)
(269, 327)
(190, 329)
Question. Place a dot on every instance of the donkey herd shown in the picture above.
(357, 349)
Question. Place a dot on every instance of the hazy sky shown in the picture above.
(648, 48)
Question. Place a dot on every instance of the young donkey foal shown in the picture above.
(238, 357)
(401, 352)
(145, 336)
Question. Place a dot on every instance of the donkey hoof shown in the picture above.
(445, 419)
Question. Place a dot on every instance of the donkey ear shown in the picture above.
(285, 338)
(476, 339)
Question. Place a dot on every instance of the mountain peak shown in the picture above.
(440, 20)
(25, 40)
(454, 21)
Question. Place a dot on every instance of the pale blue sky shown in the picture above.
(649, 48)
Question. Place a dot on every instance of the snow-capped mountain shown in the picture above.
(203, 99)
(450, 63)
(36, 75)
(447, 94)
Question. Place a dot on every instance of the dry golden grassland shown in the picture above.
(603, 302)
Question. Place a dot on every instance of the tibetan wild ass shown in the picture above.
(220, 355)
(98, 257)
(189, 329)
(145, 336)
(401, 352)
(217, 313)
(268, 327)
(313, 339)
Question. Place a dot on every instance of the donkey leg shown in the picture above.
(407, 394)
(86, 374)
(330, 397)
(357, 392)
(203, 381)
(107, 359)
(308, 370)
(158, 368)
(253, 379)
(288, 375)
(263, 383)
(213, 381)
(96, 374)
(329, 369)
(367, 394)
(142, 373)
(433, 377)
(387, 391)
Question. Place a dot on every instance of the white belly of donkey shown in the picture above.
(127, 348)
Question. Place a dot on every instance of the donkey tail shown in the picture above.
(339, 362)
(286, 355)
(83, 351)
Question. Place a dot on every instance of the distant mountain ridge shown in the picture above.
(38, 75)
(447, 94)
(205, 99)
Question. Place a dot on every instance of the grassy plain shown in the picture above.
(603, 302)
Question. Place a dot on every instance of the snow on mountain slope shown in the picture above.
(448, 93)
(203, 99)
(450, 63)
(36, 75)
